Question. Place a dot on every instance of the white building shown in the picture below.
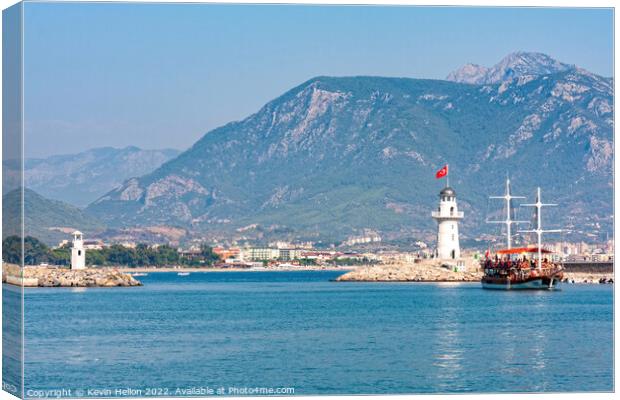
(447, 216)
(259, 254)
(266, 253)
(368, 237)
(78, 253)
(289, 254)
(93, 244)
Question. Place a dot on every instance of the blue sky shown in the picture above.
(162, 75)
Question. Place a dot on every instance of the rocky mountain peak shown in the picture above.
(469, 73)
(514, 65)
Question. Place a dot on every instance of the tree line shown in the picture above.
(338, 261)
(37, 252)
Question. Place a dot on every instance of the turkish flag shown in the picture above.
(442, 172)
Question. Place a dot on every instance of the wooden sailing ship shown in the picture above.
(528, 267)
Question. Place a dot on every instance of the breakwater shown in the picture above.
(430, 270)
(62, 277)
(437, 271)
(597, 267)
(589, 272)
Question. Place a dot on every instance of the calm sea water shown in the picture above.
(299, 330)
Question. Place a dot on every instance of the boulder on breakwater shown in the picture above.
(430, 270)
(62, 277)
(585, 277)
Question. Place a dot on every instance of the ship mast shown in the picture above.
(508, 221)
(539, 231)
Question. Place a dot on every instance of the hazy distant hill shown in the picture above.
(41, 214)
(81, 178)
(336, 155)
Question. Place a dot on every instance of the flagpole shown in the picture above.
(448, 175)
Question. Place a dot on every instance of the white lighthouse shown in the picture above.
(78, 254)
(447, 216)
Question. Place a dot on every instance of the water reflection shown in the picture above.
(449, 347)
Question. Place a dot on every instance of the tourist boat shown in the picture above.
(529, 267)
(518, 268)
(139, 274)
(183, 273)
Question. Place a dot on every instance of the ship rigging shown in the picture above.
(510, 268)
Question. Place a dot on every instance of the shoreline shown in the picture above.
(124, 276)
(130, 270)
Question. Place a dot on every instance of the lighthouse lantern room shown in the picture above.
(78, 254)
(447, 217)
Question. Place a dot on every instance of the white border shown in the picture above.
(478, 3)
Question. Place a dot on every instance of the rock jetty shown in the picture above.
(62, 277)
(588, 277)
(423, 271)
(436, 271)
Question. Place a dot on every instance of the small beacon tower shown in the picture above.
(78, 254)
(447, 216)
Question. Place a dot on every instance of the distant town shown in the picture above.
(283, 254)
(366, 249)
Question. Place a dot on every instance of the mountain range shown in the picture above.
(50, 221)
(81, 178)
(337, 156)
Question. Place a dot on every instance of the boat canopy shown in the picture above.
(520, 250)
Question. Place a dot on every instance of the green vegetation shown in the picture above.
(343, 261)
(307, 262)
(41, 214)
(36, 252)
(353, 261)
